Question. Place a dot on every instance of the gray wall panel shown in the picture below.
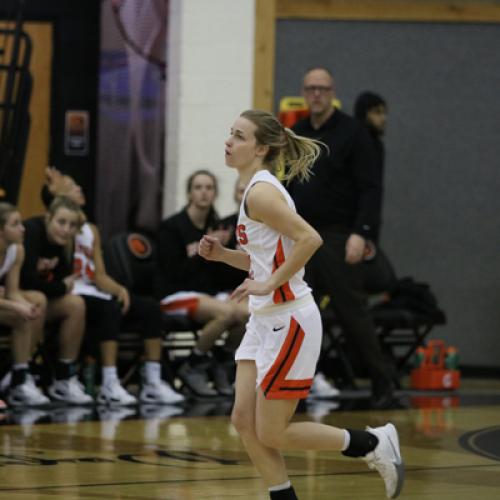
(442, 204)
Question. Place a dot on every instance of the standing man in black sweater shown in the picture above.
(342, 201)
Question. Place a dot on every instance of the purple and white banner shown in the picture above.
(131, 114)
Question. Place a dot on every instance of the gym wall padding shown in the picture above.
(442, 181)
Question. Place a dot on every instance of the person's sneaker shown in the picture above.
(5, 382)
(159, 393)
(221, 377)
(386, 459)
(383, 394)
(195, 378)
(113, 393)
(69, 391)
(322, 388)
(27, 394)
(319, 408)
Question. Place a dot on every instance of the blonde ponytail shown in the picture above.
(289, 153)
(299, 155)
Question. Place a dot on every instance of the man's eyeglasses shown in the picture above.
(322, 89)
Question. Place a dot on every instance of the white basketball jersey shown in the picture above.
(268, 250)
(84, 266)
(10, 258)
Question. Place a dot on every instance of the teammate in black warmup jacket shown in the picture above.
(188, 285)
(48, 268)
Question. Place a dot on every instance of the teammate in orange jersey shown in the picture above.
(278, 354)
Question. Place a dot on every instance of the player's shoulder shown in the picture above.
(264, 192)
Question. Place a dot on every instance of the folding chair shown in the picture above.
(402, 324)
(130, 258)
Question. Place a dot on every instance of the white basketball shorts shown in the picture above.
(285, 347)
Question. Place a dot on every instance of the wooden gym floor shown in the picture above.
(451, 444)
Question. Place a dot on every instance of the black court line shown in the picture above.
(241, 478)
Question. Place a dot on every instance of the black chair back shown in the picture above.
(130, 260)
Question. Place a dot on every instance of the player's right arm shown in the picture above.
(210, 248)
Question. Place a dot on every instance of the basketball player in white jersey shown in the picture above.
(22, 310)
(278, 354)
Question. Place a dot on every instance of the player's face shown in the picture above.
(318, 91)
(241, 145)
(72, 190)
(13, 230)
(62, 226)
(377, 118)
(202, 192)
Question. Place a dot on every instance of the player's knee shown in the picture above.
(269, 436)
(226, 317)
(242, 421)
(40, 300)
(74, 305)
(241, 316)
(236, 316)
(16, 321)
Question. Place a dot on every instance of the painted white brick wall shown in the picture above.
(210, 74)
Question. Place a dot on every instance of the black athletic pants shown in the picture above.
(104, 317)
(328, 272)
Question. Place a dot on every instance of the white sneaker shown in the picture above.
(113, 393)
(69, 391)
(160, 393)
(5, 382)
(386, 459)
(318, 409)
(27, 394)
(322, 388)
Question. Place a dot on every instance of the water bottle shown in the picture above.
(451, 359)
(88, 375)
(419, 358)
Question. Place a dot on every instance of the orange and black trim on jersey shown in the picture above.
(284, 292)
(275, 384)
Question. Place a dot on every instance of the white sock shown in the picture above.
(152, 372)
(109, 374)
(347, 440)
(280, 487)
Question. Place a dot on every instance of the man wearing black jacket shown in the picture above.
(371, 110)
(342, 202)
